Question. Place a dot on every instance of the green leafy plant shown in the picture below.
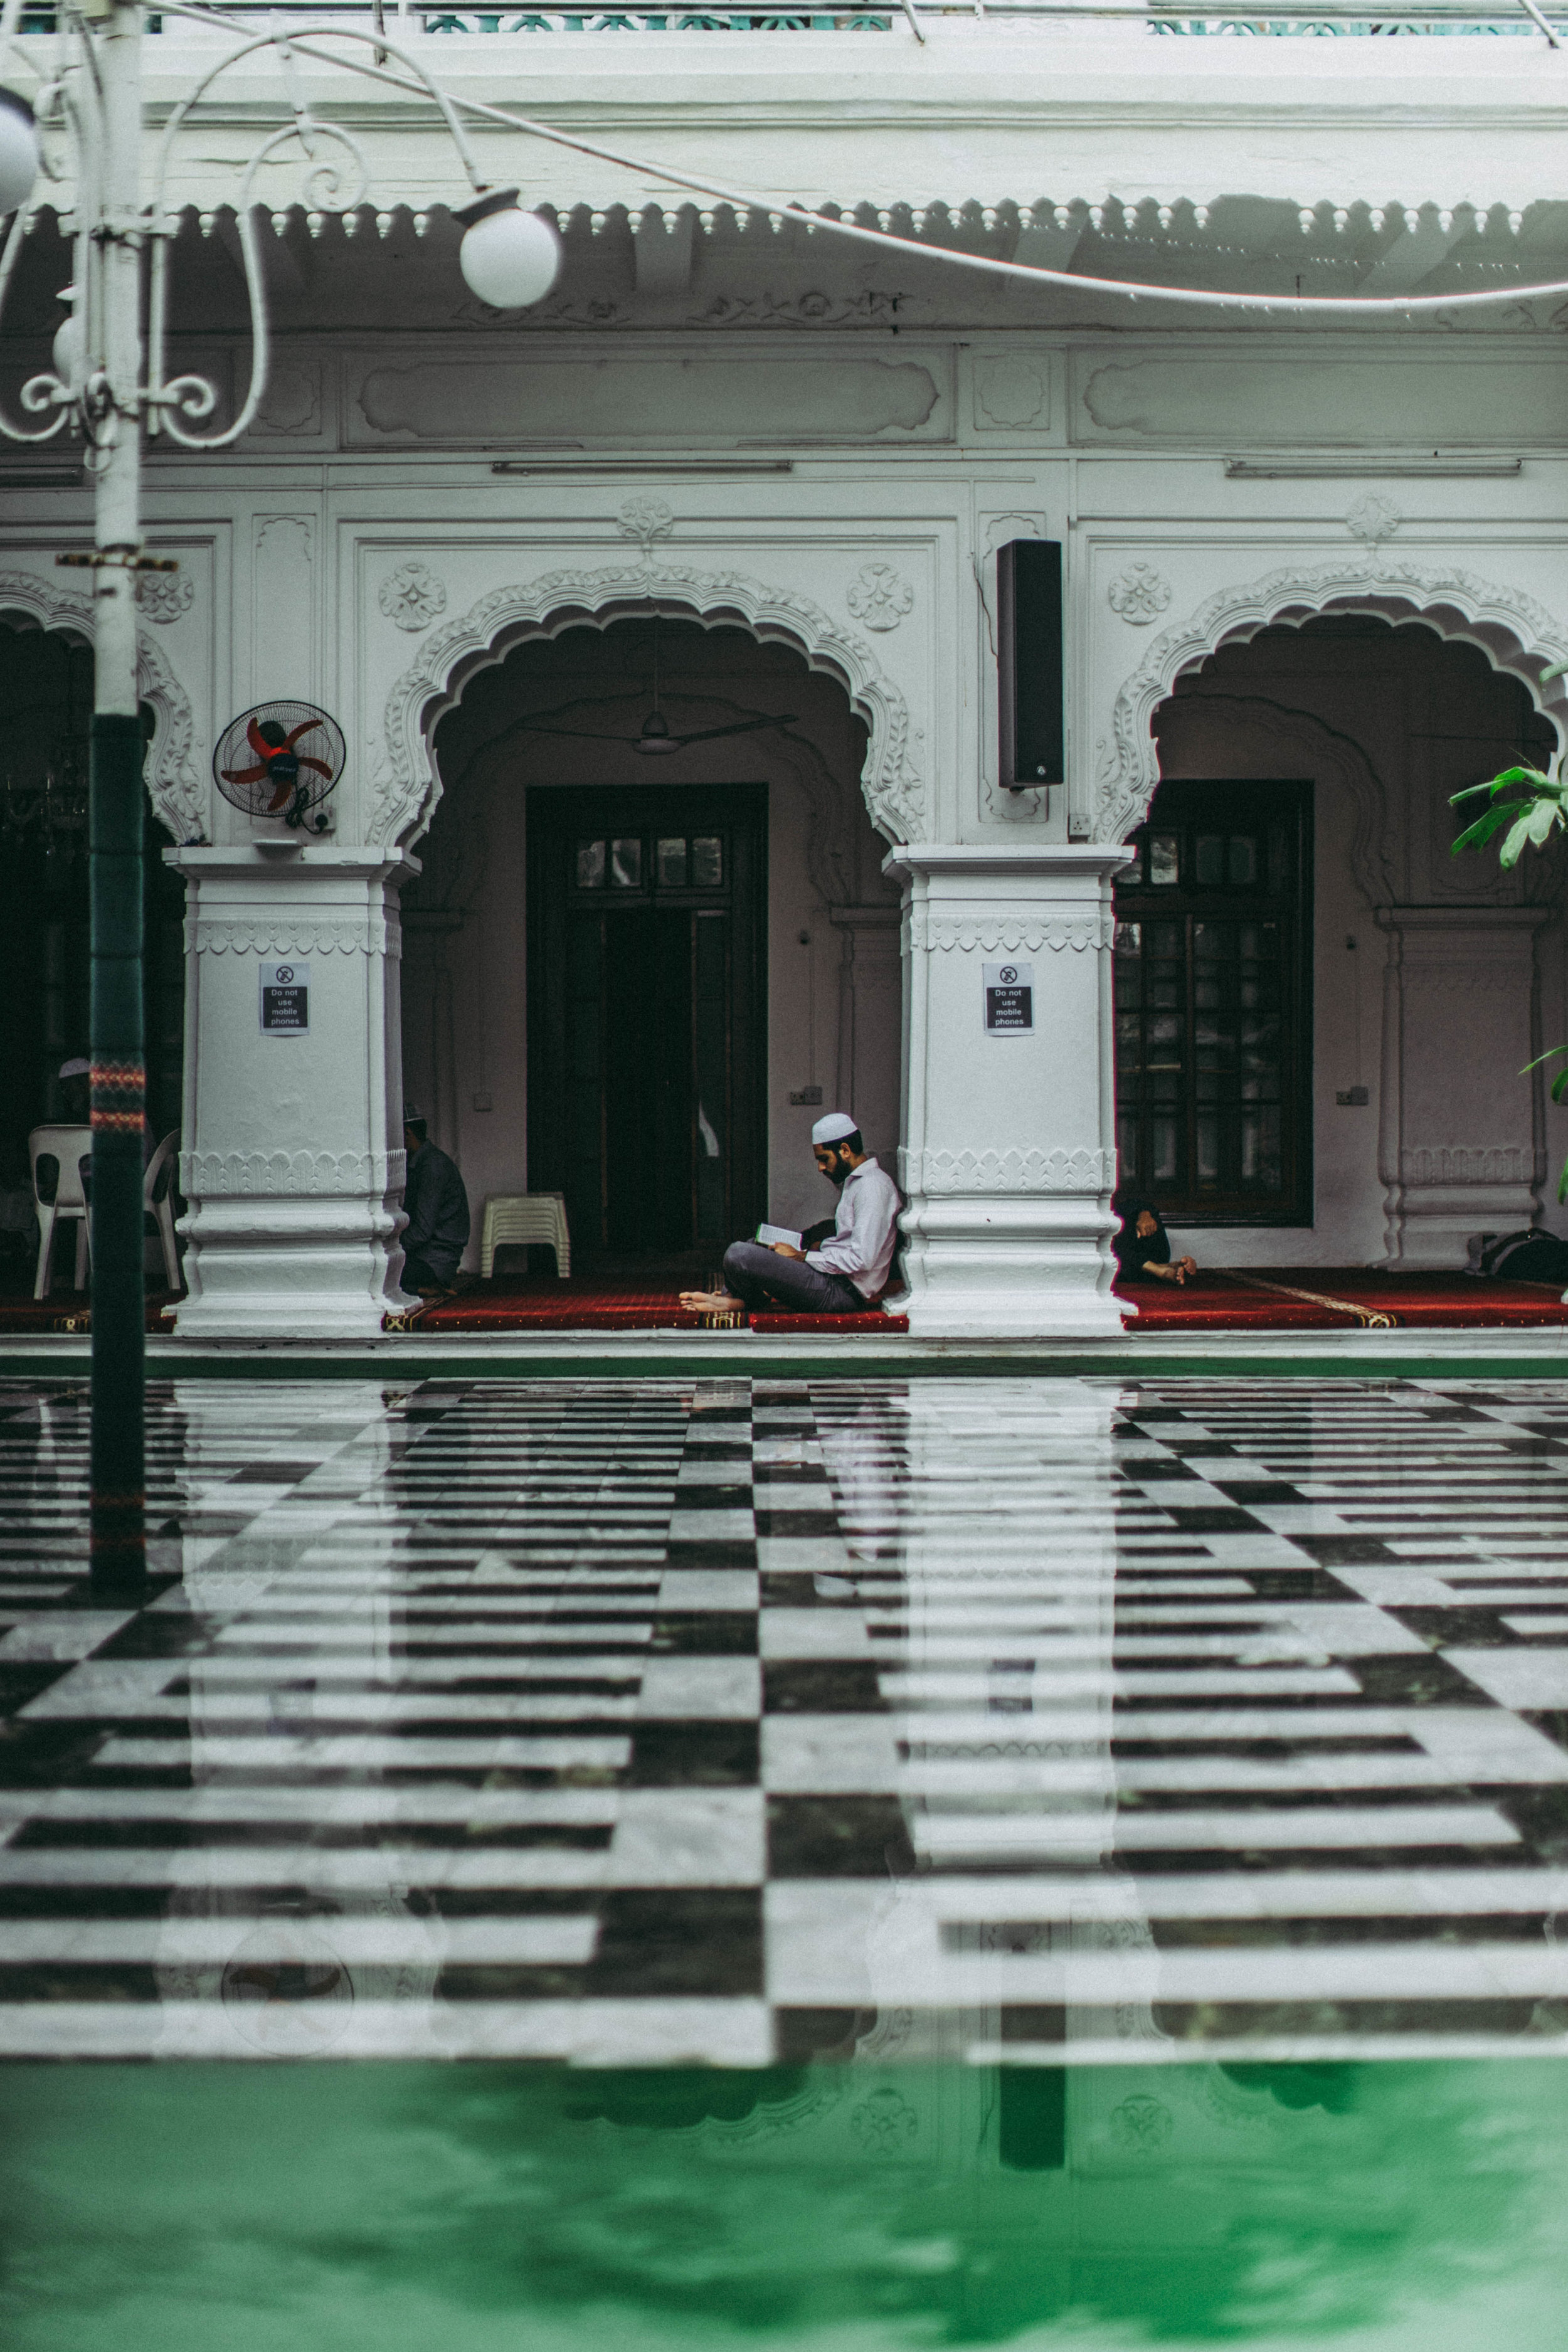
(1530, 805)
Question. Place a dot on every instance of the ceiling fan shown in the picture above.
(654, 739)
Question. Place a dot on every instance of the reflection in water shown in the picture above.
(1407, 2208)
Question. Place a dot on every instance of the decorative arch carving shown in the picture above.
(1516, 633)
(407, 787)
(177, 792)
(1304, 744)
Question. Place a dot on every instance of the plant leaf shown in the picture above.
(1491, 822)
(1512, 849)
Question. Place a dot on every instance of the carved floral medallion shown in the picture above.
(412, 596)
(879, 596)
(1139, 596)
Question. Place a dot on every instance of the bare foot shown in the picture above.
(711, 1302)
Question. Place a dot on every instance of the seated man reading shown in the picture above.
(848, 1270)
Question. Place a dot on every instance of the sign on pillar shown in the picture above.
(285, 1000)
(1009, 999)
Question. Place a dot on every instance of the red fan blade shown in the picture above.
(320, 765)
(303, 729)
(281, 799)
(241, 775)
(258, 743)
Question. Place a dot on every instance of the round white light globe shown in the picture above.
(18, 150)
(511, 259)
(69, 349)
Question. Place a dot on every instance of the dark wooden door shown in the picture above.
(646, 1017)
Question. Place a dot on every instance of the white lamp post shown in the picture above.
(107, 383)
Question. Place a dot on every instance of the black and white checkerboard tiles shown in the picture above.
(633, 1721)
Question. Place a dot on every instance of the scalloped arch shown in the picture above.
(408, 786)
(1515, 633)
(176, 791)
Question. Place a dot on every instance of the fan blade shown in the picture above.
(280, 798)
(578, 734)
(258, 742)
(740, 726)
(242, 776)
(303, 729)
(320, 765)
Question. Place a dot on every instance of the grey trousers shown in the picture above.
(759, 1277)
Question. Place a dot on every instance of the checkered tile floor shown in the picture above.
(739, 1720)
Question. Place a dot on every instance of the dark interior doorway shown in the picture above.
(647, 1019)
(45, 708)
(1214, 1004)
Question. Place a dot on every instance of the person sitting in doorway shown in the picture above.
(850, 1267)
(1142, 1247)
(436, 1202)
(1531, 1254)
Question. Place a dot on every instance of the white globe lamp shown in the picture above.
(509, 258)
(70, 348)
(18, 150)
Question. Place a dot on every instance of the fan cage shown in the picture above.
(309, 732)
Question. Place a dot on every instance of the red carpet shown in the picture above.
(544, 1304)
(1343, 1298)
(68, 1311)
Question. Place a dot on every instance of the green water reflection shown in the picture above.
(337, 2209)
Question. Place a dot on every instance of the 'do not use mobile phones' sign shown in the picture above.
(1009, 999)
(285, 1000)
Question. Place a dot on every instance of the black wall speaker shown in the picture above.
(1029, 650)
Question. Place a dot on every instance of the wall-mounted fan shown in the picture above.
(653, 738)
(281, 758)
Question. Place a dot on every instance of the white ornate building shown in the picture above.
(1300, 551)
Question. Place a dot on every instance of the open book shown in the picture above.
(768, 1234)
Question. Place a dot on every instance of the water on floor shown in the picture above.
(1064, 1863)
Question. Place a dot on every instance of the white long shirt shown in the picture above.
(862, 1247)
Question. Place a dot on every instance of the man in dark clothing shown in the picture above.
(437, 1205)
(1142, 1247)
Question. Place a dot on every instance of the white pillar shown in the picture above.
(1462, 1142)
(292, 1160)
(1009, 1153)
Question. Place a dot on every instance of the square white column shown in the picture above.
(291, 1159)
(1009, 1157)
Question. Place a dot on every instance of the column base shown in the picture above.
(996, 1268)
(290, 1269)
(1433, 1224)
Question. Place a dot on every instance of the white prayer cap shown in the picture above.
(411, 1114)
(79, 1067)
(834, 1128)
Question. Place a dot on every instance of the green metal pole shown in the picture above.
(119, 1091)
(114, 836)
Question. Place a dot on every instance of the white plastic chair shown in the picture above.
(516, 1219)
(158, 1201)
(63, 1149)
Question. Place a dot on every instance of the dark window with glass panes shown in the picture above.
(1213, 1041)
(642, 865)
